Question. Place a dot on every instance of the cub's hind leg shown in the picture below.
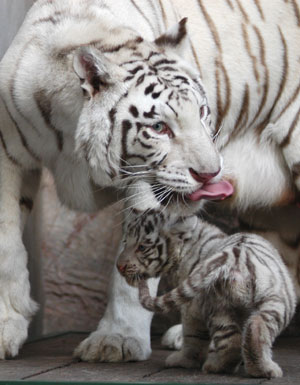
(224, 351)
(16, 306)
(259, 333)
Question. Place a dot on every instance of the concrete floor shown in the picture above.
(51, 360)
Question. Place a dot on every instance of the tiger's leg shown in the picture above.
(224, 351)
(259, 333)
(16, 306)
(123, 334)
(194, 345)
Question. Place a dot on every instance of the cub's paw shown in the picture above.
(172, 339)
(178, 359)
(267, 370)
(111, 348)
(211, 366)
(216, 364)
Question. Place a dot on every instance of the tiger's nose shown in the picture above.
(203, 177)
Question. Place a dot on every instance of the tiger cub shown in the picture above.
(235, 287)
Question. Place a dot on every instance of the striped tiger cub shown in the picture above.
(236, 287)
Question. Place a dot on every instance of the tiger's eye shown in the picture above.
(162, 129)
(159, 127)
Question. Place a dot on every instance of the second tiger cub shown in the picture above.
(235, 287)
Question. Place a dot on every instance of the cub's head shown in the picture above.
(152, 244)
(146, 117)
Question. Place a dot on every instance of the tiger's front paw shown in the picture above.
(16, 311)
(112, 348)
(172, 339)
(13, 333)
(16, 306)
(15, 316)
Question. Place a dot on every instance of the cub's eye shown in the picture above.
(162, 128)
(141, 248)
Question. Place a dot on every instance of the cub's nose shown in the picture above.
(203, 177)
(121, 268)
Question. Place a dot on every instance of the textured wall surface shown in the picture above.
(78, 252)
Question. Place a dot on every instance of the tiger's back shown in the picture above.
(249, 59)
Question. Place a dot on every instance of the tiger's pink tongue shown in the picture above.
(213, 191)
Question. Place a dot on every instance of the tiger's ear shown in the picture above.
(175, 39)
(91, 67)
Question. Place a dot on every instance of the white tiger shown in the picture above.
(96, 89)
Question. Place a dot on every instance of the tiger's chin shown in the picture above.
(181, 204)
(189, 203)
(147, 196)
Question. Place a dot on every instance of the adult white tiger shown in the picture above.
(139, 103)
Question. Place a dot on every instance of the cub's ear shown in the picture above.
(92, 68)
(175, 39)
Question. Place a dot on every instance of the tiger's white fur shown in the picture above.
(246, 53)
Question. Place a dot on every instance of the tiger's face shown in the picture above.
(155, 127)
(166, 137)
(148, 251)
